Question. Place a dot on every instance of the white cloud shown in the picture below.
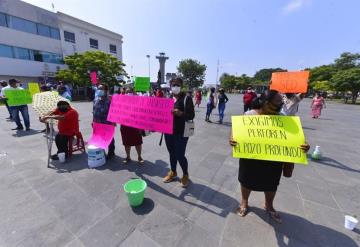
(295, 5)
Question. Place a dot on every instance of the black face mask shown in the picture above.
(63, 109)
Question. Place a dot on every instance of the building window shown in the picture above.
(38, 56)
(6, 51)
(55, 33)
(94, 44)
(113, 48)
(3, 21)
(22, 53)
(43, 30)
(69, 37)
(22, 25)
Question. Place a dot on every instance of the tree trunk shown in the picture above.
(354, 97)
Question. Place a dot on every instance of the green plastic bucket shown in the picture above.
(135, 191)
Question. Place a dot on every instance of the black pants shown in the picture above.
(61, 142)
(247, 107)
(176, 146)
(112, 147)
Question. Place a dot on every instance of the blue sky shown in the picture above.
(245, 35)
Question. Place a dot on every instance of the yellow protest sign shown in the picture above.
(33, 88)
(269, 137)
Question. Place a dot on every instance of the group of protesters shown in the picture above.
(254, 175)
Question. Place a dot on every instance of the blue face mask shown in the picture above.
(101, 93)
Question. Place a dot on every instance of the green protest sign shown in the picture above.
(18, 97)
(142, 84)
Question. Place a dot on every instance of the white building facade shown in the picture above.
(34, 41)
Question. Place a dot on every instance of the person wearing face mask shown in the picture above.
(100, 113)
(176, 143)
(262, 175)
(68, 125)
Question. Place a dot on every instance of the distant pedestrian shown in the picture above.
(198, 97)
(211, 104)
(23, 109)
(176, 143)
(64, 93)
(222, 99)
(317, 104)
(291, 103)
(248, 98)
(159, 93)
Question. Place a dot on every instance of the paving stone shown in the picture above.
(138, 239)
(314, 194)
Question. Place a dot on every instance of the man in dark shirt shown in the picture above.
(100, 113)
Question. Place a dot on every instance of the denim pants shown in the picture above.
(23, 109)
(8, 108)
(221, 108)
(209, 108)
(176, 146)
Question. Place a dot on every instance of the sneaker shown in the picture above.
(184, 181)
(18, 128)
(170, 177)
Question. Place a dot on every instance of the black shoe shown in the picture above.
(109, 156)
(8, 118)
(27, 129)
(18, 128)
(43, 131)
(55, 157)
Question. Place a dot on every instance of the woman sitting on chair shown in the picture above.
(68, 126)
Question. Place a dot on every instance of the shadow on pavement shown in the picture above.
(295, 230)
(21, 133)
(145, 208)
(76, 162)
(200, 192)
(334, 163)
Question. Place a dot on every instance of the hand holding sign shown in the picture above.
(290, 82)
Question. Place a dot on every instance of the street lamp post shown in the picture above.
(148, 56)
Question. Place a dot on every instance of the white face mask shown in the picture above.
(175, 90)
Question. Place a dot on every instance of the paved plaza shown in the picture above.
(71, 205)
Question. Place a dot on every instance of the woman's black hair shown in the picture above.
(264, 98)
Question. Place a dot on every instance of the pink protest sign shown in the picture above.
(142, 112)
(102, 135)
(93, 77)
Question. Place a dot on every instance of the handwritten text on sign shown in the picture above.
(290, 82)
(276, 138)
(18, 97)
(102, 135)
(142, 112)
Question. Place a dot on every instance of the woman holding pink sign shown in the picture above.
(176, 143)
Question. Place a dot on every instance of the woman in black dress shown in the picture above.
(262, 175)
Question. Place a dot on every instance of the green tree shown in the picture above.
(348, 80)
(322, 86)
(228, 82)
(80, 66)
(264, 75)
(192, 72)
(347, 60)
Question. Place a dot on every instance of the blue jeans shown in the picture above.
(176, 146)
(24, 112)
(209, 108)
(221, 108)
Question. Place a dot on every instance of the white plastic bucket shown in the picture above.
(350, 222)
(61, 157)
(96, 156)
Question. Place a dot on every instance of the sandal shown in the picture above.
(141, 161)
(127, 160)
(274, 215)
(242, 211)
